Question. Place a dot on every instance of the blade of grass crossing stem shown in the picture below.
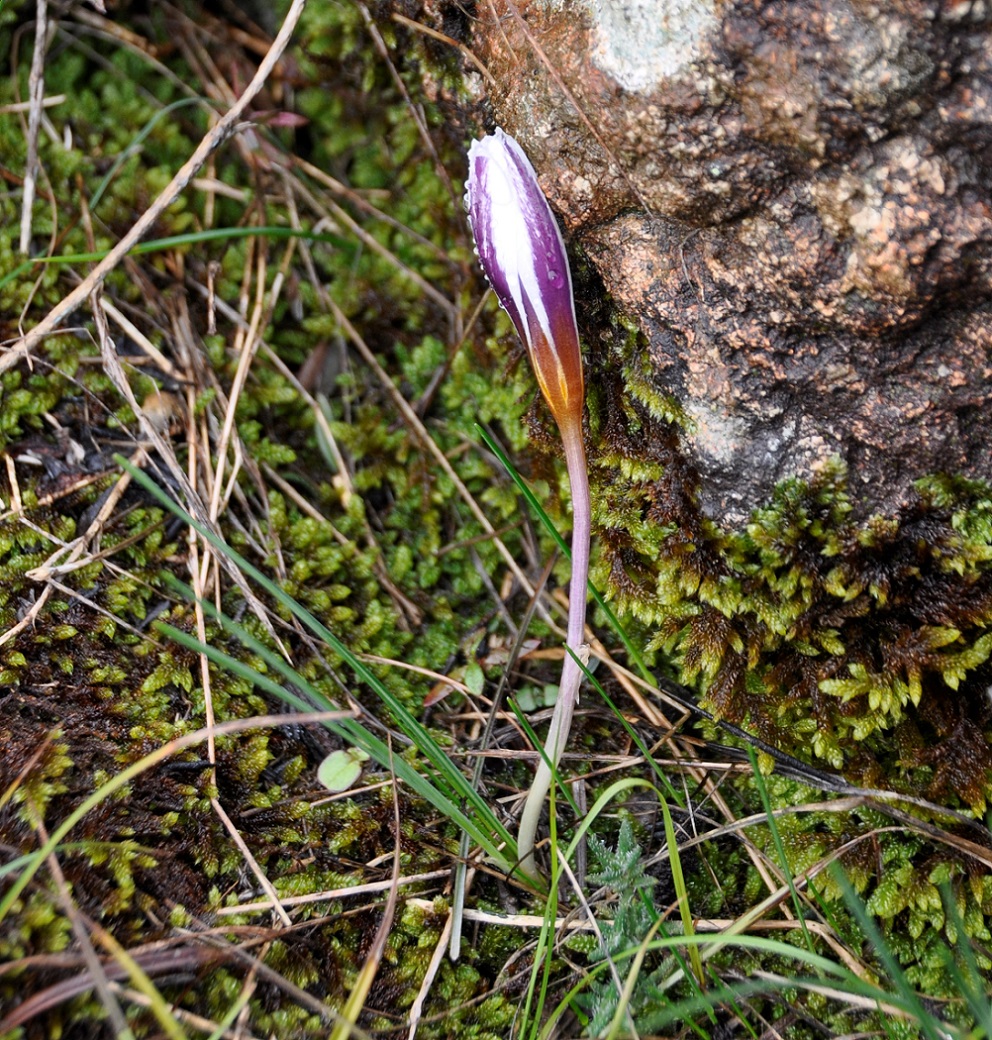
(973, 988)
(931, 1029)
(632, 651)
(349, 730)
(409, 724)
(696, 976)
(766, 804)
(670, 790)
(681, 893)
(847, 984)
(677, 875)
(545, 942)
(536, 742)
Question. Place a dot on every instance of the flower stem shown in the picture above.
(571, 673)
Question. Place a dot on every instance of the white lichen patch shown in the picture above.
(642, 42)
(715, 434)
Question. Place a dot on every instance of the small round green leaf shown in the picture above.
(341, 769)
(475, 679)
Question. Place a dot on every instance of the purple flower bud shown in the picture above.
(523, 256)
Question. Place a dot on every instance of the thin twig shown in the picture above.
(348, 892)
(90, 958)
(417, 1008)
(36, 91)
(275, 903)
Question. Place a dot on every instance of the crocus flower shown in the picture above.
(523, 256)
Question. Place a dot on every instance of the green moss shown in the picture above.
(864, 641)
(103, 681)
(861, 646)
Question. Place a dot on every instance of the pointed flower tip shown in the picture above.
(523, 255)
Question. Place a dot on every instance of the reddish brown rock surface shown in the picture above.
(793, 201)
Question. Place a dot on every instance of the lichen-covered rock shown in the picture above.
(793, 202)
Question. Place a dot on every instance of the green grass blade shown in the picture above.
(604, 799)
(681, 892)
(158, 245)
(453, 777)
(134, 146)
(931, 1028)
(632, 651)
(766, 804)
(349, 730)
(670, 790)
(679, 1013)
(974, 988)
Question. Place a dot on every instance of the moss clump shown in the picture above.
(864, 644)
(396, 567)
(859, 646)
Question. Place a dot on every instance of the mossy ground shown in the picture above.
(858, 648)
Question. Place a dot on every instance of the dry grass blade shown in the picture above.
(166, 453)
(369, 888)
(36, 90)
(99, 976)
(356, 1000)
(275, 903)
(417, 1008)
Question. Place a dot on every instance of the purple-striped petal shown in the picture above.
(524, 258)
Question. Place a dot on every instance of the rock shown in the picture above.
(793, 202)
